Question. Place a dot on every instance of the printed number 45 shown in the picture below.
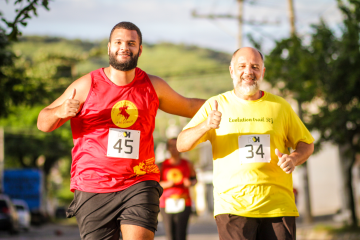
(259, 151)
(119, 143)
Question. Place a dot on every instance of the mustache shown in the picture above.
(248, 77)
(130, 54)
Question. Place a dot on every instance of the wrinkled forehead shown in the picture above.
(249, 56)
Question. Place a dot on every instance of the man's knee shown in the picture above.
(132, 232)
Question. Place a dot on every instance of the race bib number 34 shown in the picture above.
(123, 143)
(254, 148)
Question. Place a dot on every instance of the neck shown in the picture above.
(174, 160)
(119, 78)
(256, 96)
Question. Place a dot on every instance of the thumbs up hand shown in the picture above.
(214, 119)
(286, 162)
(70, 106)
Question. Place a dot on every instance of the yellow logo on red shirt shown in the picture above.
(124, 113)
(174, 175)
(144, 167)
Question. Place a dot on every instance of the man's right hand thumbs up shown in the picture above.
(214, 119)
(70, 107)
(73, 93)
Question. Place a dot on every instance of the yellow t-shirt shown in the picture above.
(247, 181)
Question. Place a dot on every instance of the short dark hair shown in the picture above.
(167, 142)
(127, 26)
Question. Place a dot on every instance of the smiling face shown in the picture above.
(247, 71)
(124, 49)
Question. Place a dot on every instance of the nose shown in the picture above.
(248, 70)
(124, 46)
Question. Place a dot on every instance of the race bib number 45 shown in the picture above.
(254, 148)
(123, 143)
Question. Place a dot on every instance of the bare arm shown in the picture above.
(166, 184)
(296, 158)
(66, 106)
(172, 102)
(192, 181)
(189, 138)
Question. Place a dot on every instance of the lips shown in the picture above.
(248, 79)
(124, 55)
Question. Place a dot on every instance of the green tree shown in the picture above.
(52, 70)
(15, 87)
(24, 10)
(290, 70)
(338, 71)
(325, 72)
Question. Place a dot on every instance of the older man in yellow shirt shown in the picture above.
(251, 132)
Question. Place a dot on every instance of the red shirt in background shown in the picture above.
(175, 173)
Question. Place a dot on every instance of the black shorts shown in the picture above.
(99, 215)
(231, 227)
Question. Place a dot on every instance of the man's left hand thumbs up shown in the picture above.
(286, 163)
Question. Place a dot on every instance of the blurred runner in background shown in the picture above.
(176, 176)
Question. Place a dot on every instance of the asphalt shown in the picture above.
(200, 228)
(204, 228)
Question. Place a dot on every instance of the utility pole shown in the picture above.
(240, 22)
(238, 17)
(292, 18)
(305, 179)
(305, 176)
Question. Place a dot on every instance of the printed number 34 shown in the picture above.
(258, 151)
(119, 143)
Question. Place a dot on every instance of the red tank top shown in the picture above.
(130, 112)
(176, 173)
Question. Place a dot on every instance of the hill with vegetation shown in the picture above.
(190, 70)
(54, 63)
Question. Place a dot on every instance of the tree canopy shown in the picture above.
(24, 10)
(323, 76)
(15, 87)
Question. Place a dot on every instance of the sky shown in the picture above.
(172, 21)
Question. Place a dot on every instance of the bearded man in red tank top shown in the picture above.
(112, 112)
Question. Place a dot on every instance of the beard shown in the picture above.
(246, 89)
(123, 66)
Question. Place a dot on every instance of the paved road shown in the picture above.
(198, 230)
(45, 232)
